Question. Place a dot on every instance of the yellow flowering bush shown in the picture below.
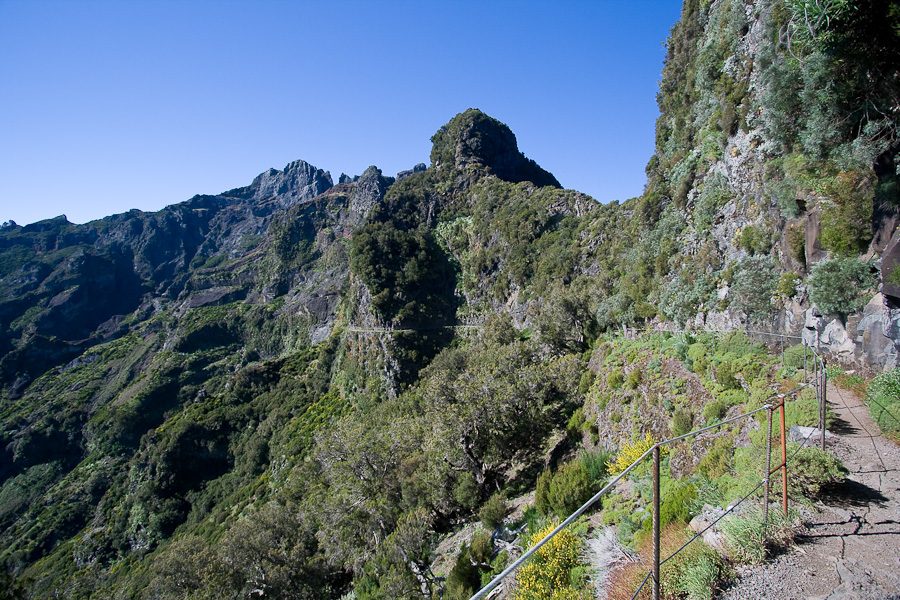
(630, 452)
(548, 575)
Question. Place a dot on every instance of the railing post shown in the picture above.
(804, 361)
(824, 400)
(784, 483)
(768, 471)
(656, 522)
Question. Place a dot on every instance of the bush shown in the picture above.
(715, 410)
(755, 280)
(813, 468)
(595, 464)
(754, 240)
(717, 460)
(570, 487)
(883, 398)
(682, 422)
(847, 216)
(634, 379)
(548, 574)
(575, 425)
(840, 286)
(464, 578)
(494, 511)
(749, 538)
(615, 379)
(697, 353)
(787, 284)
(676, 506)
(542, 492)
(796, 238)
(793, 356)
(804, 410)
(630, 452)
(692, 573)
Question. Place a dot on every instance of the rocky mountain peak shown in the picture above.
(474, 139)
(298, 182)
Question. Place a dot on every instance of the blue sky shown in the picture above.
(113, 105)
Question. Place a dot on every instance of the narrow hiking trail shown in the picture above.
(849, 547)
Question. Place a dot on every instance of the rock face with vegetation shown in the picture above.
(292, 389)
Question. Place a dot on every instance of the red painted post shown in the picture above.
(784, 486)
(768, 472)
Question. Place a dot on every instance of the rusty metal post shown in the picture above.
(784, 483)
(768, 472)
(824, 400)
(804, 361)
(656, 522)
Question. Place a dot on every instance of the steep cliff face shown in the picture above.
(777, 146)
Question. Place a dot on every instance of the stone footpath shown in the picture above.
(849, 548)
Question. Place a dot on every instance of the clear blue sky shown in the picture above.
(113, 105)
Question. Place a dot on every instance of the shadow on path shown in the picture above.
(850, 493)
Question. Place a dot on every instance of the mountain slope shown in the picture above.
(286, 387)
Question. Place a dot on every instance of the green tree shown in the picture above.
(755, 279)
(840, 286)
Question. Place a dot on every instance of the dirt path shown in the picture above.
(850, 548)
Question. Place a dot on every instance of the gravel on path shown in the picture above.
(849, 548)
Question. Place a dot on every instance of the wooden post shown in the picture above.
(784, 486)
(656, 522)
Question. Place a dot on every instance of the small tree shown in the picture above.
(840, 286)
(755, 280)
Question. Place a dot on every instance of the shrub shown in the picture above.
(793, 356)
(634, 379)
(715, 410)
(804, 410)
(717, 460)
(847, 216)
(883, 398)
(749, 538)
(692, 573)
(595, 464)
(630, 452)
(787, 284)
(813, 468)
(548, 574)
(796, 238)
(754, 240)
(840, 286)
(464, 577)
(575, 425)
(677, 505)
(494, 511)
(586, 381)
(615, 379)
(682, 421)
(754, 284)
(570, 487)
(542, 492)
(697, 353)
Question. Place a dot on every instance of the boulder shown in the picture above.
(837, 341)
(813, 325)
(812, 435)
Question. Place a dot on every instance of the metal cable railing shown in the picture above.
(819, 381)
